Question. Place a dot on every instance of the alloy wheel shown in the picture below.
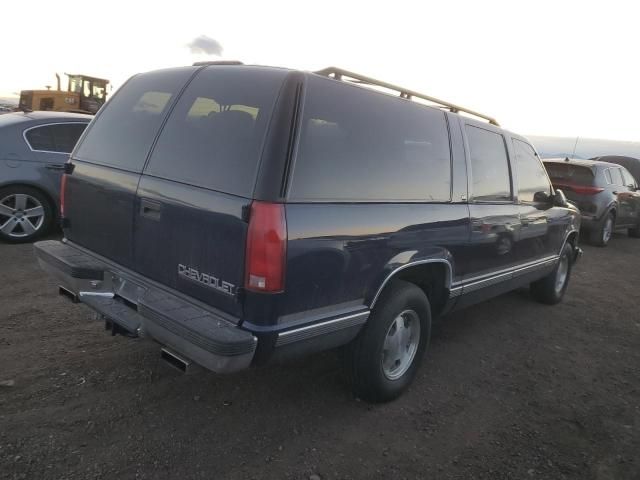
(21, 215)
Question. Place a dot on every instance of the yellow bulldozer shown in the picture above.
(84, 94)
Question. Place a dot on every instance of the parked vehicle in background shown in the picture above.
(240, 214)
(630, 163)
(33, 150)
(606, 194)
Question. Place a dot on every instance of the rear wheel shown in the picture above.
(25, 214)
(601, 236)
(385, 357)
(551, 288)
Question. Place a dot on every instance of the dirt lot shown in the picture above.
(509, 389)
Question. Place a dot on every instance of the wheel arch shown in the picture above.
(433, 276)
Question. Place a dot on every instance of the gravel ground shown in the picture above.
(509, 389)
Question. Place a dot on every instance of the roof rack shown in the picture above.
(339, 74)
(217, 62)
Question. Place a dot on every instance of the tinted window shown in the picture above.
(358, 145)
(616, 176)
(627, 178)
(125, 127)
(489, 165)
(567, 173)
(55, 138)
(214, 135)
(532, 177)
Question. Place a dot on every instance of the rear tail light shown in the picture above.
(586, 190)
(580, 189)
(266, 248)
(63, 187)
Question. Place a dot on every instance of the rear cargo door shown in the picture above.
(100, 193)
(196, 189)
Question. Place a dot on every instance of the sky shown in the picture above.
(539, 67)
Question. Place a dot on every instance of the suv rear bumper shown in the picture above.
(138, 307)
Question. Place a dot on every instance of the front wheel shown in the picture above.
(551, 288)
(386, 355)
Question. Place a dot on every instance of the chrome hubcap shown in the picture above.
(400, 344)
(561, 275)
(21, 215)
(607, 230)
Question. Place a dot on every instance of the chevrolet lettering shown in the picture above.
(206, 279)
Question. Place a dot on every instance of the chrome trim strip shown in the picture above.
(24, 135)
(455, 292)
(481, 281)
(413, 264)
(322, 328)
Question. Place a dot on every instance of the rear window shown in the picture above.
(357, 145)
(125, 127)
(214, 136)
(566, 172)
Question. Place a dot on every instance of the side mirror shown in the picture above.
(542, 197)
(559, 199)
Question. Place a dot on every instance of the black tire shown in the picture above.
(15, 230)
(634, 232)
(598, 237)
(366, 354)
(546, 290)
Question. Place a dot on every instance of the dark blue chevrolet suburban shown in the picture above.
(240, 214)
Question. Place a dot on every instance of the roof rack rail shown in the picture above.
(217, 62)
(339, 74)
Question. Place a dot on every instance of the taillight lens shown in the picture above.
(580, 189)
(586, 190)
(63, 187)
(266, 248)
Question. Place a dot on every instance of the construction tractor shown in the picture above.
(84, 94)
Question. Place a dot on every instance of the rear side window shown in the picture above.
(123, 132)
(616, 176)
(59, 138)
(570, 174)
(489, 165)
(532, 177)
(357, 145)
(215, 133)
(627, 178)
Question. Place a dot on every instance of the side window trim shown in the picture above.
(42, 125)
(513, 200)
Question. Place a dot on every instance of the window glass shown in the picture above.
(215, 133)
(358, 145)
(40, 138)
(567, 173)
(122, 133)
(489, 165)
(532, 177)
(55, 138)
(607, 176)
(616, 176)
(627, 178)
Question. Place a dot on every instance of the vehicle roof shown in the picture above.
(15, 118)
(581, 162)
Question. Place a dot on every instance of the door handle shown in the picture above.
(55, 166)
(150, 209)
